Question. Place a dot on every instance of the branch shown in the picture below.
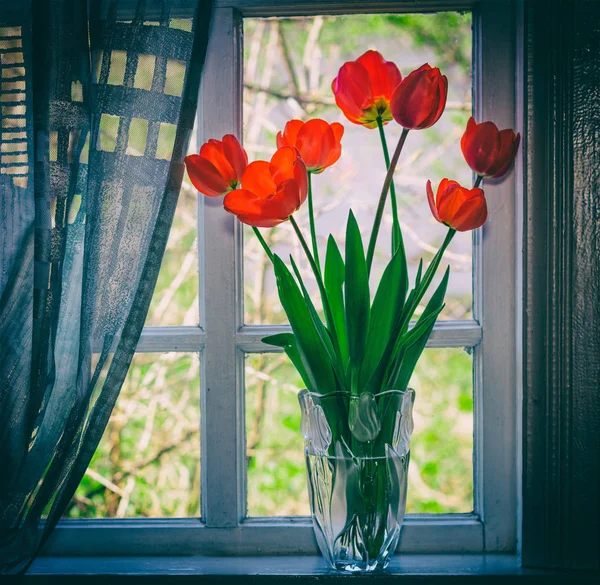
(302, 99)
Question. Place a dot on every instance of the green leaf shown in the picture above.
(356, 292)
(419, 335)
(287, 341)
(324, 335)
(419, 272)
(311, 351)
(400, 340)
(282, 340)
(385, 311)
(334, 286)
(398, 248)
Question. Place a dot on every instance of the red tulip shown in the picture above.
(420, 99)
(219, 167)
(317, 142)
(271, 191)
(363, 89)
(487, 150)
(457, 207)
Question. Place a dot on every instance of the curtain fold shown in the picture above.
(97, 107)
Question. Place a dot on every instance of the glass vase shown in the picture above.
(357, 454)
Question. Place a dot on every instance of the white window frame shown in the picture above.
(222, 338)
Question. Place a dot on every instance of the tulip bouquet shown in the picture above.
(357, 360)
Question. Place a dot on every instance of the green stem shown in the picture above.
(395, 220)
(263, 243)
(382, 198)
(311, 218)
(318, 277)
(478, 181)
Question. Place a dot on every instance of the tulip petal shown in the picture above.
(338, 131)
(449, 201)
(509, 144)
(282, 162)
(283, 202)
(286, 164)
(336, 151)
(205, 177)
(301, 178)
(444, 183)
(235, 154)
(431, 202)
(257, 178)
(443, 94)
(480, 146)
(472, 213)
(258, 221)
(394, 77)
(467, 137)
(420, 99)
(411, 101)
(213, 152)
(255, 210)
(383, 76)
(314, 142)
(242, 201)
(290, 133)
(352, 90)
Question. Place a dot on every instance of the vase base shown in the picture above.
(354, 567)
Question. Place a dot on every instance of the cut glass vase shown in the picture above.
(357, 454)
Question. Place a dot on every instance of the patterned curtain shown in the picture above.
(97, 105)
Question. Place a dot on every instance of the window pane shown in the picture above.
(288, 69)
(148, 461)
(175, 300)
(440, 475)
(441, 468)
(274, 445)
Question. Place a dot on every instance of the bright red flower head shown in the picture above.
(363, 89)
(420, 99)
(219, 167)
(487, 150)
(271, 191)
(317, 141)
(457, 207)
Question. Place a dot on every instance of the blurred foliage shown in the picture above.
(148, 462)
(438, 32)
(149, 458)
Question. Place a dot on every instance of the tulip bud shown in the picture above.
(219, 166)
(363, 89)
(317, 141)
(420, 99)
(457, 207)
(487, 150)
(271, 191)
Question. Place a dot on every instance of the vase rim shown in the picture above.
(354, 458)
(347, 393)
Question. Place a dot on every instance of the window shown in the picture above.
(222, 323)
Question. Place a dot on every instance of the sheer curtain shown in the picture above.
(97, 105)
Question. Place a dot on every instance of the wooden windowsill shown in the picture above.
(406, 569)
